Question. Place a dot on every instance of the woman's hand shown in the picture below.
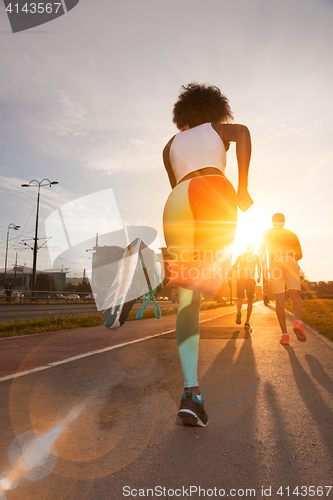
(244, 200)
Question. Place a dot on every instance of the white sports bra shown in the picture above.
(197, 148)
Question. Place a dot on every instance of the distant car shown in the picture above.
(14, 294)
(17, 296)
(60, 296)
(90, 296)
(73, 296)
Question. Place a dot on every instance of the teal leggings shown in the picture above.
(199, 226)
(188, 334)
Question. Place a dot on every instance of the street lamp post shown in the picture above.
(11, 226)
(39, 184)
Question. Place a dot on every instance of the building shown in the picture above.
(20, 277)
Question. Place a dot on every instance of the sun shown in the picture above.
(249, 231)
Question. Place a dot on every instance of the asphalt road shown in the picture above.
(103, 425)
(24, 312)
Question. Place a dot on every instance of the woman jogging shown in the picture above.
(199, 223)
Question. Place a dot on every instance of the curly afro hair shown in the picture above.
(201, 103)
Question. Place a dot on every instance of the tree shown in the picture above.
(302, 275)
(84, 286)
(44, 282)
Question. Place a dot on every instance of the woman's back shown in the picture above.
(197, 148)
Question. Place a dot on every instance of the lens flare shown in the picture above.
(5, 484)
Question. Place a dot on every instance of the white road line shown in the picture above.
(92, 353)
(80, 356)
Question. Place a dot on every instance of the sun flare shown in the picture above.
(249, 231)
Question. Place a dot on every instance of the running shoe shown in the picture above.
(192, 411)
(247, 327)
(299, 331)
(239, 318)
(284, 339)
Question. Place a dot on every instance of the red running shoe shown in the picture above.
(299, 331)
(284, 339)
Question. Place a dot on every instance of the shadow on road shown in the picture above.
(319, 374)
(318, 409)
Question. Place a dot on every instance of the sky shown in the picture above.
(86, 100)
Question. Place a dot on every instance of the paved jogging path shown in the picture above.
(107, 425)
(28, 352)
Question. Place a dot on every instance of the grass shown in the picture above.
(48, 324)
(318, 313)
(51, 323)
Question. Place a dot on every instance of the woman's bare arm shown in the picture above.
(239, 134)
